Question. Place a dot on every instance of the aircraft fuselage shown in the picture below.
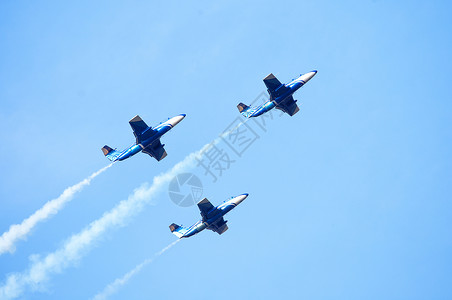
(290, 87)
(220, 211)
(159, 130)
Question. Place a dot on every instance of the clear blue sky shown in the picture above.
(349, 199)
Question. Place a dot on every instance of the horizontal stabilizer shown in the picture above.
(111, 154)
(177, 230)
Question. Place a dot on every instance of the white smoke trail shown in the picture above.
(113, 287)
(20, 231)
(78, 244)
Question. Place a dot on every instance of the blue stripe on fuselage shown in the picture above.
(263, 108)
(130, 152)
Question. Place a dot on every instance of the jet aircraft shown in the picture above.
(280, 96)
(212, 217)
(147, 139)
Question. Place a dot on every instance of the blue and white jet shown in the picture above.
(212, 217)
(280, 96)
(147, 139)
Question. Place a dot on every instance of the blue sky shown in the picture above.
(349, 199)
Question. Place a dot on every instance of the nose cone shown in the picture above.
(175, 120)
(237, 200)
(306, 77)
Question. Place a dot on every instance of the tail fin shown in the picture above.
(177, 230)
(111, 154)
(242, 107)
(246, 111)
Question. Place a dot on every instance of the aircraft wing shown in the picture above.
(156, 150)
(140, 129)
(274, 86)
(219, 226)
(205, 207)
(289, 106)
